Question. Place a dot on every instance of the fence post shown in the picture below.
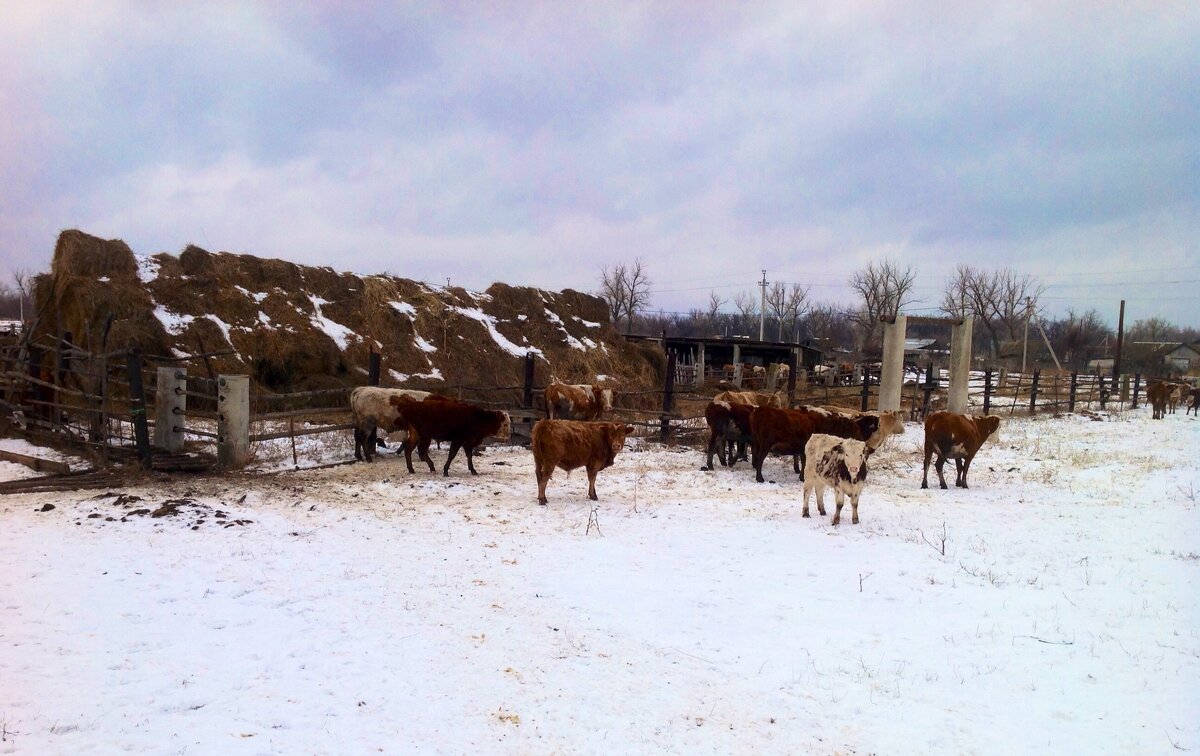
(170, 402)
(866, 389)
(792, 380)
(137, 409)
(373, 368)
(527, 390)
(668, 398)
(1033, 392)
(233, 420)
(1103, 392)
(1137, 384)
(1071, 396)
(987, 391)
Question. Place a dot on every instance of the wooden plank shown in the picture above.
(36, 463)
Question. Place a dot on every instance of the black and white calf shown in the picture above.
(837, 463)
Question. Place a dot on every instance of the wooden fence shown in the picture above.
(174, 413)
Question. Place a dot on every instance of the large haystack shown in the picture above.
(292, 326)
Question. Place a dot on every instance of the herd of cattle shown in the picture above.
(1165, 397)
(829, 446)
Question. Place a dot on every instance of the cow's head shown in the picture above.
(505, 431)
(989, 427)
(615, 434)
(854, 457)
(606, 399)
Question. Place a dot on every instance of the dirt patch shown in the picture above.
(193, 514)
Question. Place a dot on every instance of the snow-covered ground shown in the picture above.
(358, 608)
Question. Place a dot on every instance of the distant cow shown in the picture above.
(751, 398)
(728, 426)
(891, 423)
(1158, 394)
(570, 444)
(439, 418)
(576, 401)
(373, 410)
(955, 436)
(1194, 395)
(837, 463)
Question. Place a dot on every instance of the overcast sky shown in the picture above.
(533, 143)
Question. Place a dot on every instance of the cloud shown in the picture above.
(535, 143)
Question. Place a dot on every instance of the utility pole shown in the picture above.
(1120, 341)
(762, 308)
(1025, 343)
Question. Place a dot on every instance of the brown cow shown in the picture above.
(568, 444)
(955, 436)
(579, 401)
(440, 418)
(728, 424)
(373, 410)
(891, 422)
(785, 431)
(1194, 395)
(751, 398)
(1158, 394)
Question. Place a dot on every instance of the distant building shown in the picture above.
(1183, 357)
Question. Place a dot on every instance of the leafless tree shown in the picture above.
(785, 303)
(997, 300)
(626, 290)
(883, 289)
(22, 278)
(1153, 329)
(715, 303)
(1076, 333)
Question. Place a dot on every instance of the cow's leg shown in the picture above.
(928, 456)
(358, 443)
(407, 447)
(941, 462)
(854, 509)
(714, 447)
(796, 465)
(959, 479)
(965, 469)
(591, 471)
(423, 453)
(838, 499)
(758, 464)
(470, 452)
(807, 491)
(543, 472)
(820, 484)
(454, 447)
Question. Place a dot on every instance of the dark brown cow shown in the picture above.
(1194, 395)
(728, 424)
(576, 401)
(373, 410)
(569, 444)
(1158, 394)
(955, 436)
(786, 431)
(440, 418)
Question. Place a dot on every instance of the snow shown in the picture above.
(359, 608)
(257, 297)
(339, 333)
(422, 344)
(222, 325)
(490, 323)
(147, 268)
(588, 323)
(172, 322)
(571, 340)
(404, 308)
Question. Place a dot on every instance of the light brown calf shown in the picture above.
(570, 444)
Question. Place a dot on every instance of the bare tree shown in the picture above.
(22, 279)
(883, 288)
(1153, 329)
(715, 303)
(785, 303)
(626, 289)
(997, 300)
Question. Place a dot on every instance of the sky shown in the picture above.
(536, 142)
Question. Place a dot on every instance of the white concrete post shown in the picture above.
(737, 366)
(772, 377)
(700, 363)
(891, 382)
(170, 402)
(960, 366)
(233, 421)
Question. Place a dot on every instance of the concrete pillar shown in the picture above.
(700, 363)
(169, 405)
(737, 365)
(772, 377)
(960, 365)
(891, 382)
(233, 421)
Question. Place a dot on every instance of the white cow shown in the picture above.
(837, 463)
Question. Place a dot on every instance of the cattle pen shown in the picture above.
(175, 414)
